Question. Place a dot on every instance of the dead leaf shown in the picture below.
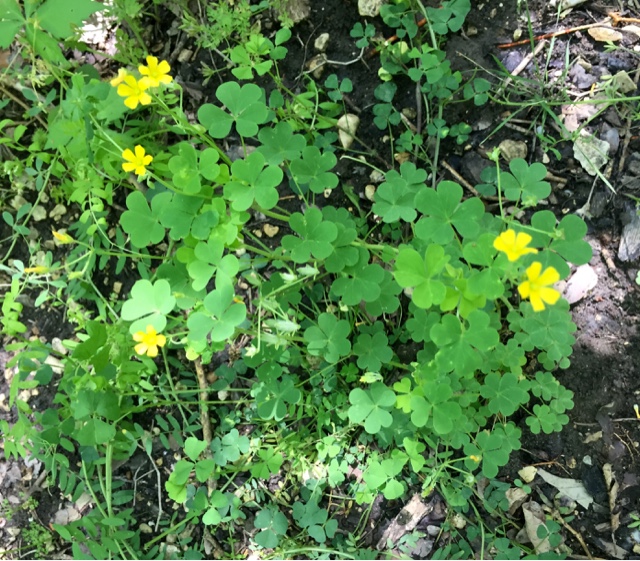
(572, 488)
(516, 497)
(528, 473)
(604, 34)
(66, 515)
(534, 517)
(593, 437)
(612, 486)
(270, 230)
(591, 152)
(347, 127)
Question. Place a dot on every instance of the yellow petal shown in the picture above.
(145, 98)
(152, 352)
(549, 295)
(140, 151)
(128, 155)
(131, 102)
(533, 272)
(128, 166)
(536, 302)
(524, 289)
(141, 348)
(161, 340)
(163, 67)
(550, 276)
(138, 336)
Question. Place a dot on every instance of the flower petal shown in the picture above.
(152, 352)
(549, 295)
(536, 302)
(533, 271)
(141, 348)
(549, 276)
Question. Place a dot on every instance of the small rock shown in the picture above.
(57, 346)
(316, 65)
(145, 528)
(57, 211)
(185, 55)
(39, 213)
(376, 176)
(528, 473)
(472, 166)
(629, 249)
(591, 153)
(296, 10)
(369, 192)
(581, 282)
(347, 127)
(612, 136)
(321, 42)
(369, 8)
(624, 84)
(511, 149)
(633, 164)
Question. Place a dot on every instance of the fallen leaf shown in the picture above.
(591, 152)
(572, 488)
(534, 517)
(604, 34)
(270, 230)
(347, 127)
(528, 473)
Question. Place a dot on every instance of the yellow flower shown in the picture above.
(155, 74)
(122, 74)
(148, 342)
(62, 237)
(39, 270)
(134, 92)
(136, 162)
(514, 245)
(475, 458)
(536, 287)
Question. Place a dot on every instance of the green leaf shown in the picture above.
(443, 210)
(221, 316)
(272, 398)
(141, 222)
(372, 351)
(526, 183)
(11, 21)
(315, 236)
(371, 407)
(59, 16)
(194, 447)
(460, 346)
(178, 213)
(273, 524)
(229, 448)
(312, 169)
(95, 432)
(252, 181)
(411, 270)
(395, 198)
(183, 166)
(329, 338)
(148, 304)
(505, 393)
(245, 108)
(280, 144)
(360, 282)
(270, 463)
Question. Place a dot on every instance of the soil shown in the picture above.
(603, 374)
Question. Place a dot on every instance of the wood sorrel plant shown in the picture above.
(417, 349)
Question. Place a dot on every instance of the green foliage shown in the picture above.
(359, 350)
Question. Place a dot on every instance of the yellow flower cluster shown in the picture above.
(537, 287)
(149, 341)
(135, 90)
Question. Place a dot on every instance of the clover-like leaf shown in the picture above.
(229, 448)
(460, 349)
(273, 396)
(313, 169)
(443, 209)
(141, 222)
(360, 282)
(178, 213)
(272, 524)
(148, 304)
(245, 108)
(526, 183)
(372, 351)
(371, 407)
(252, 181)
(411, 270)
(315, 236)
(506, 393)
(221, 315)
(329, 338)
(183, 166)
(280, 144)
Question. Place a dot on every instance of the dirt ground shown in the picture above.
(604, 373)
